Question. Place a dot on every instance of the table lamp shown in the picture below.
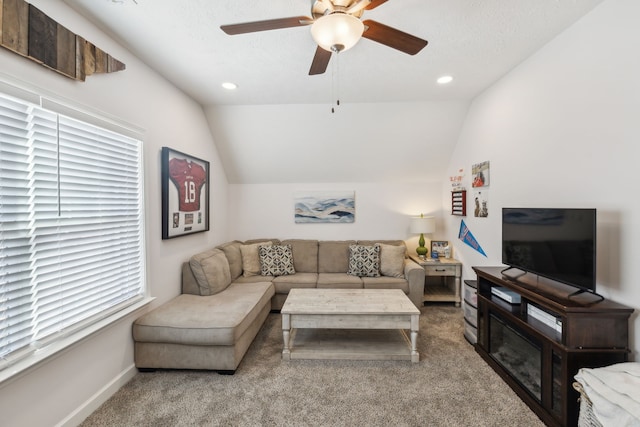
(422, 225)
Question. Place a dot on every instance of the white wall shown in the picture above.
(416, 139)
(49, 393)
(562, 130)
(382, 211)
(375, 142)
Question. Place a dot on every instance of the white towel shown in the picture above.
(615, 393)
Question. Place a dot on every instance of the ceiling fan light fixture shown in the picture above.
(337, 31)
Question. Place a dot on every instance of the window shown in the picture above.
(71, 226)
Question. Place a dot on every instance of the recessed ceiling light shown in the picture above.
(445, 79)
(229, 85)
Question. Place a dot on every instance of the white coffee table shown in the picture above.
(357, 324)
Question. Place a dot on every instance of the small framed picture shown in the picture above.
(185, 194)
(440, 249)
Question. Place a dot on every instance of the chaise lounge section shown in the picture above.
(227, 294)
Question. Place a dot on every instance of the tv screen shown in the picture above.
(559, 244)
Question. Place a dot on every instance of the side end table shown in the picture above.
(445, 268)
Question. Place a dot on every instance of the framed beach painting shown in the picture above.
(314, 207)
(185, 194)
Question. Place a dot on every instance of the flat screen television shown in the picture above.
(559, 244)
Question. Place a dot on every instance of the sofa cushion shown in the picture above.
(234, 256)
(305, 255)
(189, 282)
(385, 282)
(284, 284)
(392, 260)
(338, 281)
(211, 270)
(364, 260)
(254, 279)
(251, 258)
(333, 256)
(276, 260)
(205, 320)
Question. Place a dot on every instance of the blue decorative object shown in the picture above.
(466, 236)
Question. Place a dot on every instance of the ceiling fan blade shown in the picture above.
(269, 24)
(320, 61)
(393, 38)
(375, 3)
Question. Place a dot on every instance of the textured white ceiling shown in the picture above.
(476, 41)
(395, 123)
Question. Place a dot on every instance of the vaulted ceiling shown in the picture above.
(391, 108)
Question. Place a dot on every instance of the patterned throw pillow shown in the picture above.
(276, 260)
(364, 260)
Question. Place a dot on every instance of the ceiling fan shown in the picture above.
(336, 26)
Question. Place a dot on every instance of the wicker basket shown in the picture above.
(586, 418)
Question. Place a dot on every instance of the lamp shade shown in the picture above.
(422, 225)
(337, 32)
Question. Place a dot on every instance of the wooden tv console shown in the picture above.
(538, 344)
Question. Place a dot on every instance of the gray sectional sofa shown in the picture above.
(228, 292)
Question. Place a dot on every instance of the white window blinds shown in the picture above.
(71, 225)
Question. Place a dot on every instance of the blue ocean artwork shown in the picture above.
(325, 207)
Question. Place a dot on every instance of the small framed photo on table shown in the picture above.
(185, 194)
(440, 249)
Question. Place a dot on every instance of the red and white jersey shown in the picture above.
(188, 178)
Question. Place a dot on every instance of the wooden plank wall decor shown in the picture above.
(27, 31)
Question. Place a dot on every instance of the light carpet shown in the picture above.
(450, 386)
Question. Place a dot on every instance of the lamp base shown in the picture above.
(421, 250)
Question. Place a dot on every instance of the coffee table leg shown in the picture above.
(415, 356)
(286, 333)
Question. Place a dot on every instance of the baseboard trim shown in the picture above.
(94, 402)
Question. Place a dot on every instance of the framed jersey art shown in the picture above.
(185, 194)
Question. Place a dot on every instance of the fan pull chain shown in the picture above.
(335, 81)
(338, 79)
